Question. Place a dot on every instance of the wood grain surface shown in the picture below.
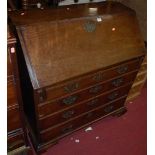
(63, 49)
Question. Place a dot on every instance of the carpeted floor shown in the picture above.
(125, 135)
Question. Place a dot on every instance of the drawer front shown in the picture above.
(13, 119)
(15, 141)
(91, 79)
(51, 120)
(74, 99)
(11, 94)
(66, 128)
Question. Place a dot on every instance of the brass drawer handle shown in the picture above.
(69, 100)
(93, 102)
(95, 89)
(71, 87)
(98, 77)
(117, 82)
(109, 108)
(122, 69)
(113, 96)
(68, 114)
(90, 26)
(67, 129)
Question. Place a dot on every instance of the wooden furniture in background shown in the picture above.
(17, 140)
(77, 65)
(29, 4)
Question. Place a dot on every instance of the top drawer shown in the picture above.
(74, 85)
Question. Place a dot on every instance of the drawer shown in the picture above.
(51, 120)
(74, 85)
(74, 99)
(72, 125)
(11, 94)
(13, 118)
(15, 141)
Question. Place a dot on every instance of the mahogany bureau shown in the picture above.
(76, 64)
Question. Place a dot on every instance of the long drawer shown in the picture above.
(74, 85)
(62, 103)
(13, 118)
(66, 128)
(66, 115)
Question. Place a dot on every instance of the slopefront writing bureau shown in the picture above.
(77, 64)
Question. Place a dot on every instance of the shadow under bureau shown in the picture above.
(77, 65)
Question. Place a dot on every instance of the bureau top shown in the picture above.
(60, 44)
(67, 12)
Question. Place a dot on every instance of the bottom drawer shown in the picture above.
(64, 129)
(15, 141)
